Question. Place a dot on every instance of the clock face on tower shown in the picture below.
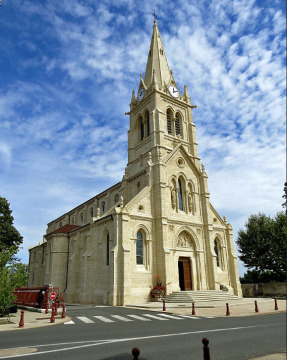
(173, 91)
(141, 94)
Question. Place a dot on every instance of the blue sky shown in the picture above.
(67, 71)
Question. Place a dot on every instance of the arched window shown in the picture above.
(117, 198)
(141, 129)
(216, 252)
(177, 125)
(103, 206)
(180, 202)
(147, 124)
(108, 250)
(139, 248)
(92, 212)
(168, 122)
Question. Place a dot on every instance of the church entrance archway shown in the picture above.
(184, 274)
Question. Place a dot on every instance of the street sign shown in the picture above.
(53, 296)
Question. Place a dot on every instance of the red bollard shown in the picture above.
(53, 316)
(56, 309)
(47, 308)
(136, 352)
(227, 310)
(193, 310)
(206, 354)
(21, 323)
(256, 307)
(276, 306)
(64, 311)
(163, 305)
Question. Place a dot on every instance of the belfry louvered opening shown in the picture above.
(168, 119)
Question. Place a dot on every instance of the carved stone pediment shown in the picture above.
(184, 240)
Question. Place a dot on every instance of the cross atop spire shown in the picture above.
(154, 15)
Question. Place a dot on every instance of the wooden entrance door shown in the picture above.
(184, 273)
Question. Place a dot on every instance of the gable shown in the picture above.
(217, 220)
(179, 163)
(141, 203)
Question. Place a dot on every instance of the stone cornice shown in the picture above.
(144, 217)
(137, 175)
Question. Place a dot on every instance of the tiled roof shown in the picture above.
(65, 229)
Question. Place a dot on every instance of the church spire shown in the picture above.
(156, 63)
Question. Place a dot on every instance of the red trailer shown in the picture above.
(38, 297)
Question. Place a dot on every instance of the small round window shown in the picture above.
(180, 162)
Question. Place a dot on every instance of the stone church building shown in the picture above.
(157, 221)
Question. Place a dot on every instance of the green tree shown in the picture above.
(9, 236)
(255, 276)
(12, 273)
(262, 246)
(18, 273)
(6, 283)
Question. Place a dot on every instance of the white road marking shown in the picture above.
(103, 342)
(170, 316)
(104, 319)
(69, 322)
(85, 319)
(190, 317)
(121, 318)
(154, 317)
(139, 318)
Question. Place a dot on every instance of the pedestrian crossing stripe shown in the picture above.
(154, 317)
(189, 317)
(104, 319)
(121, 318)
(139, 318)
(128, 318)
(171, 316)
(85, 320)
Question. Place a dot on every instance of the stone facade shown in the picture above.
(157, 221)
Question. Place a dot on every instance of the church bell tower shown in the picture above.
(160, 116)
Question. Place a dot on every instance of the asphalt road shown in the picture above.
(100, 333)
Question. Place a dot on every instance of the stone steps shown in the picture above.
(199, 296)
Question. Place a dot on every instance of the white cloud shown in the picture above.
(5, 154)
